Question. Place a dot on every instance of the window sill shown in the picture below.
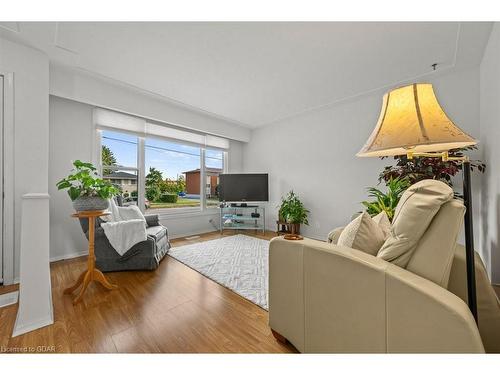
(185, 213)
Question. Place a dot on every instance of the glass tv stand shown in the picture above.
(242, 217)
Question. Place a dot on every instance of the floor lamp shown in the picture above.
(412, 123)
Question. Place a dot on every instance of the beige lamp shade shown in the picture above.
(412, 120)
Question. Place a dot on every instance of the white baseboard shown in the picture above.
(9, 298)
(191, 233)
(21, 330)
(72, 255)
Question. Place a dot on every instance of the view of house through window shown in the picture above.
(167, 166)
(119, 161)
(214, 165)
(172, 171)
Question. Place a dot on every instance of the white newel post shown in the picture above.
(35, 295)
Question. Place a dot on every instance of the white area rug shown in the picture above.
(238, 262)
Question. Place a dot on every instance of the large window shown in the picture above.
(119, 163)
(214, 166)
(172, 174)
(160, 174)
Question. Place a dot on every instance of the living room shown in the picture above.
(284, 185)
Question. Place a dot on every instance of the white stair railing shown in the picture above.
(35, 294)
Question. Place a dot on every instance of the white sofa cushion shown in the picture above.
(414, 212)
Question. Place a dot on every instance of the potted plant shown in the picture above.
(293, 212)
(388, 201)
(86, 189)
(421, 168)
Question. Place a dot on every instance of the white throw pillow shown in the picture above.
(114, 214)
(364, 234)
(131, 213)
(383, 222)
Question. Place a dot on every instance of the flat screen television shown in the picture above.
(249, 187)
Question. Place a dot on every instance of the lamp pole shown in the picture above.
(469, 240)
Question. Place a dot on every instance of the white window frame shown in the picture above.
(202, 209)
(224, 170)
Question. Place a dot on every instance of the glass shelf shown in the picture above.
(240, 218)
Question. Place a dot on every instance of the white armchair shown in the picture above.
(325, 298)
(328, 298)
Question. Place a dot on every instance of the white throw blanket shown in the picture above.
(124, 227)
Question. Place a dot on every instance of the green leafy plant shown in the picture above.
(169, 198)
(108, 158)
(421, 168)
(85, 182)
(153, 193)
(292, 210)
(386, 202)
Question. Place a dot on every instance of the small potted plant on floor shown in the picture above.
(86, 189)
(293, 212)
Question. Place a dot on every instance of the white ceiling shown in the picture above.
(256, 73)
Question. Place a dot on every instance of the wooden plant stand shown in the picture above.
(282, 227)
(92, 273)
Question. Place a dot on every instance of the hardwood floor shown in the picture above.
(173, 309)
(8, 288)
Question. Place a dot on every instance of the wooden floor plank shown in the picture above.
(173, 309)
(4, 289)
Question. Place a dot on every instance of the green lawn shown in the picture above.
(183, 202)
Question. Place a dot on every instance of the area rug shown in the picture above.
(238, 262)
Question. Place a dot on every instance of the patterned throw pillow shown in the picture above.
(364, 234)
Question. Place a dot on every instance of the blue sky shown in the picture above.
(171, 158)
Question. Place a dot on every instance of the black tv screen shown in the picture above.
(250, 187)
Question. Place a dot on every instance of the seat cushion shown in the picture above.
(364, 234)
(416, 209)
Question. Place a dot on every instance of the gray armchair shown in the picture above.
(145, 255)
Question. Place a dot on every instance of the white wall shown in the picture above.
(31, 124)
(72, 137)
(86, 88)
(314, 154)
(490, 136)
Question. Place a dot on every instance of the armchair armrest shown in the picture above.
(152, 220)
(328, 298)
(333, 236)
(423, 317)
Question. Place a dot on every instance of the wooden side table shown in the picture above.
(92, 273)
